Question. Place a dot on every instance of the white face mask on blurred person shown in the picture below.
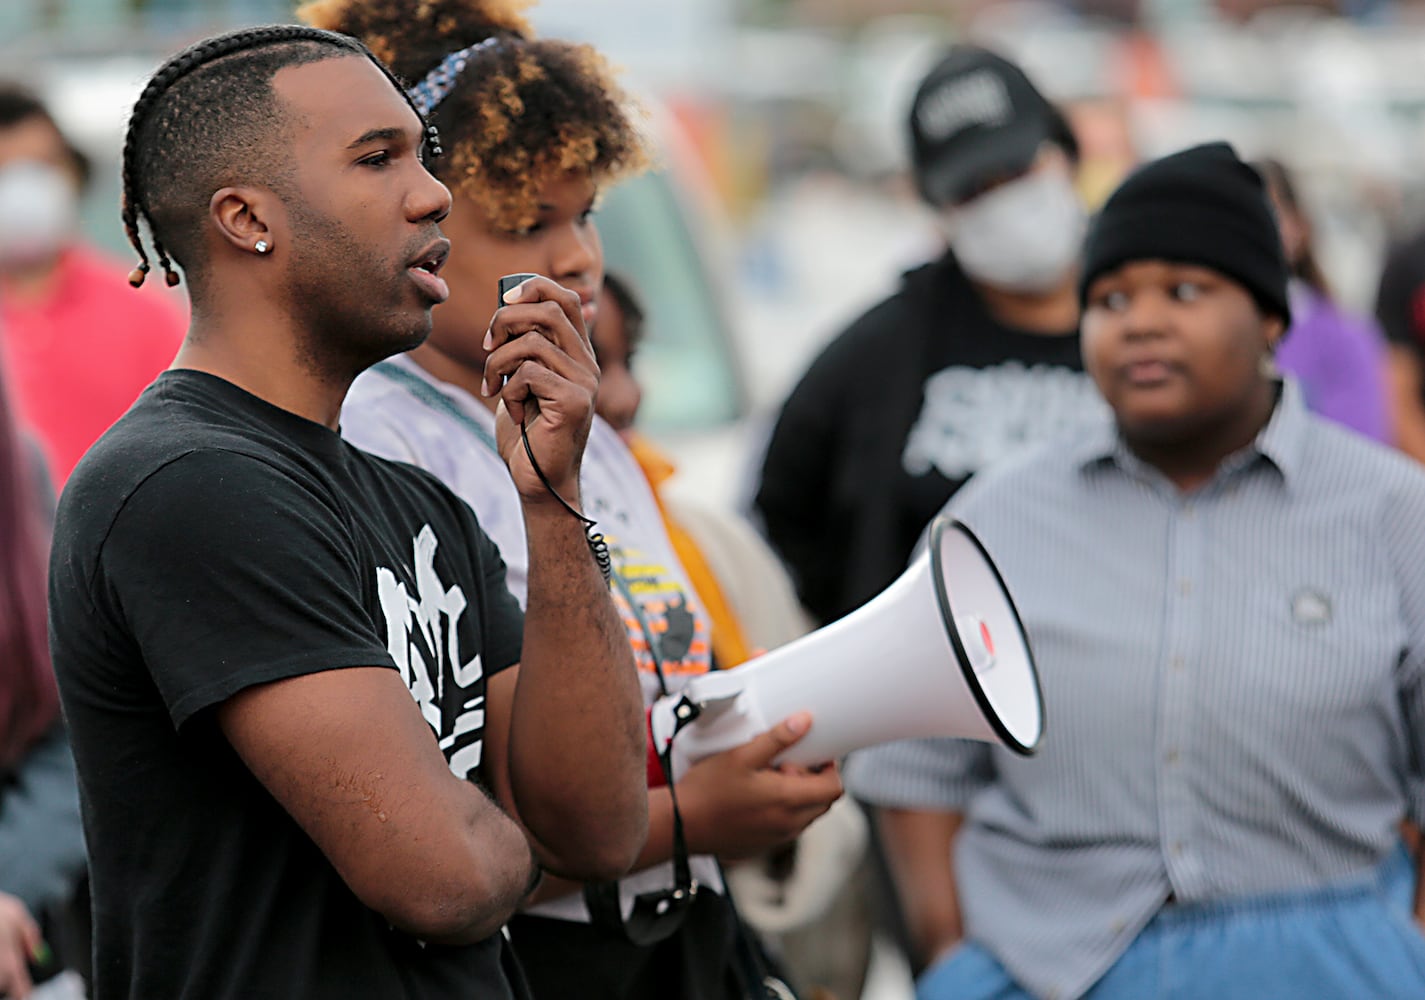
(1023, 236)
(39, 211)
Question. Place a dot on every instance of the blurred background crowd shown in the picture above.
(783, 207)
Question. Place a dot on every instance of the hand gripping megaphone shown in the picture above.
(940, 652)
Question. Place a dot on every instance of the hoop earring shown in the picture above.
(262, 246)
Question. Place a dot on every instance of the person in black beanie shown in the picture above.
(1205, 210)
(1226, 599)
(1204, 206)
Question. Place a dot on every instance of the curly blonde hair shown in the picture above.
(522, 113)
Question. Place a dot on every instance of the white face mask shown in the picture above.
(1023, 236)
(39, 210)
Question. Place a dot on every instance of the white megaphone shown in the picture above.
(940, 652)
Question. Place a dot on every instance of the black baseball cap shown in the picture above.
(976, 116)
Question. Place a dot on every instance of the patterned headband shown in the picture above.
(441, 80)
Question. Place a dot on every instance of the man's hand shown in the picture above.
(19, 944)
(736, 804)
(538, 341)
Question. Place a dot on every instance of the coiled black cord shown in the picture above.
(597, 545)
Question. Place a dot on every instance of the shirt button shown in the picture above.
(1118, 927)
(1185, 587)
(1177, 849)
(1177, 663)
(1171, 757)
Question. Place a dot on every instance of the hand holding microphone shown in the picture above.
(541, 366)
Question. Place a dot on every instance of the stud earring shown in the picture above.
(261, 246)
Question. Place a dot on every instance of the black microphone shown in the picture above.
(511, 281)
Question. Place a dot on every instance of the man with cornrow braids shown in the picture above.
(535, 130)
(303, 701)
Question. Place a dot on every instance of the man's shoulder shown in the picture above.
(167, 469)
(902, 315)
(145, 439)
(186, 439)
(933, 300)
(159, 428)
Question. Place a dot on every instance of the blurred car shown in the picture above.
(688, 364)
(665, 231)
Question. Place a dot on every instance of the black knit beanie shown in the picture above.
(1201, 206)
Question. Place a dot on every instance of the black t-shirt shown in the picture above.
(902, 408)
(210, 542)
(988, 390)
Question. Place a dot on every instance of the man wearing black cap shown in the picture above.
(1225, 595)
(975, 355)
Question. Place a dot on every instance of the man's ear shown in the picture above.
(242, 216)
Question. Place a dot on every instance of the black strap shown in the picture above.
(758, 979)
(656, 915)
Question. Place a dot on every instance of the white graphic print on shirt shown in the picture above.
(423, 637)
(974, 416)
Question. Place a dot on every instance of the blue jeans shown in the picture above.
(1354, 942)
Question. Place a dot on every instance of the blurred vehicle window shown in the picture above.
(687, 364)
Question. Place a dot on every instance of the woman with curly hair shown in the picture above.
(533, 130)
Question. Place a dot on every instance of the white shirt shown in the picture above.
(399, 411)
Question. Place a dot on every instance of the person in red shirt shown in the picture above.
(77, 344)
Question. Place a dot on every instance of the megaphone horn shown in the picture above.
(940, 652)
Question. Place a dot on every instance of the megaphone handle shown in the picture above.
(685, 712)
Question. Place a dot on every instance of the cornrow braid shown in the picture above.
(167, 132)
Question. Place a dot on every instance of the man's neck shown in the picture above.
(261, 358)
(1051, 313)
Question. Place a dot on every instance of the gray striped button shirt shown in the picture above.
(1232, 683)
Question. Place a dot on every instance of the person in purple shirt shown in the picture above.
(1337, 356)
